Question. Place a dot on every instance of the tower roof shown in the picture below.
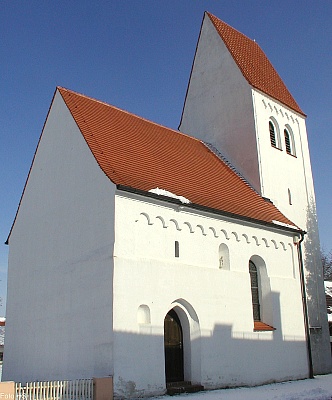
(140, 154)
(254, 65)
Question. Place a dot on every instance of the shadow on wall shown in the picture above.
(316, 301)
(225, 357)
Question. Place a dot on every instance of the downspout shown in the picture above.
(305, 308)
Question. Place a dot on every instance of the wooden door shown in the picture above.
(173, 340)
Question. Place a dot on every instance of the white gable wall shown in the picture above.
(214, 301)
(218, 106)
(59, 307)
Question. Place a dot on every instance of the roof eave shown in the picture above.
(200, 207)
(299, 111)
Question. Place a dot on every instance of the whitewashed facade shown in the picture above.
(59, 308)
(212, 300)
(95, 267)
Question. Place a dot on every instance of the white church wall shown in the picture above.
(216, 301)
(287, 180)
(280, 171)
(59, 307)
(218, 106)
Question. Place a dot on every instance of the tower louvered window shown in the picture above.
(254, 291)
(288, 142)
(272, 134)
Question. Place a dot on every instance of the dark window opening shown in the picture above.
(177, 249)
(272, 135)
(289, 197)
(254, 291)
(288, 142)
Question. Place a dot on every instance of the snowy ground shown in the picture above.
(319, 388)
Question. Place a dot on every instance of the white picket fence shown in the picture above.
(81, 389)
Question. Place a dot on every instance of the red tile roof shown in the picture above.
(254, 64)
(140, 154)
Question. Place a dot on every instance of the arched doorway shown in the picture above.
(173, 342)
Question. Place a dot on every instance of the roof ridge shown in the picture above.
(129, 113)
(217, 152)
(264, 76)
(211, 16)
(87, 125)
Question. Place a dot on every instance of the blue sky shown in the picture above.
(137, 55)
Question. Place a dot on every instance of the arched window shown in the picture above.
(272, 134)
(289, 141)
(262, 308)
(254, 291)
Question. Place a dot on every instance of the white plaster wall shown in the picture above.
(218, 106)
(146, 272)
(59, 307)
(279, 172)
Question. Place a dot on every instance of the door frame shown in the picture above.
(191, 336)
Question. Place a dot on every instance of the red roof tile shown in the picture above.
(140, 154)
(254, 64)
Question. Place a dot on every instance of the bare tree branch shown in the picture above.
(327, 264)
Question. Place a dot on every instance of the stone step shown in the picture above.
(177, 384)
(182, 387)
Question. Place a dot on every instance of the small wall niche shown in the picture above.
(143, 315)
(224, 257)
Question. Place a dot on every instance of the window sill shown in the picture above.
(261, 327)
(276, 147)
(290, 154)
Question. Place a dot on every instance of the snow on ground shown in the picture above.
(328, 292)
(328, 287)
(319, 388)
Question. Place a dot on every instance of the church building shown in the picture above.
(168, 258)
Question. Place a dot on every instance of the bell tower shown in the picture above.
(237, 102)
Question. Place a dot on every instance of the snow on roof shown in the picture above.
(139, 154)
(166, 193)
(136, 153)
(283, 224)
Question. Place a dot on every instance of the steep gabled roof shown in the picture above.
(140, 154)
(254, 64)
